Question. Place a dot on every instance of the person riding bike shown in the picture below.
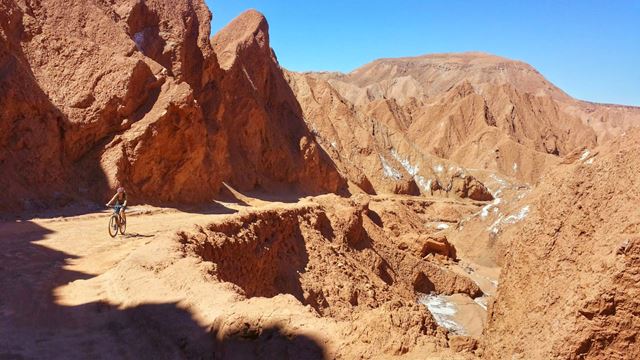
(120, 199)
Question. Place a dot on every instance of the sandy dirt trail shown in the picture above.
(64, 295)
(43, 258)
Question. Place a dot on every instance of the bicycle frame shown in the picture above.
(119, 224)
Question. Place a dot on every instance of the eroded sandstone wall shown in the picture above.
(131, 92)
(569, 288)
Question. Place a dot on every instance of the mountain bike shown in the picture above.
(116, 222)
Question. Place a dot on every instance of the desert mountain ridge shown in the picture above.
(474, 110)
(466, 59)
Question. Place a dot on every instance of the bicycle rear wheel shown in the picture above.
(123, 226)
(113, 226)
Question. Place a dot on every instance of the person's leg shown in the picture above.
(116, 210)
(123, 215)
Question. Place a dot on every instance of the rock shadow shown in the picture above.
(266, 258)
(34, 324)
(268, 343)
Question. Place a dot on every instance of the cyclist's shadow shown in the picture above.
(135, 236)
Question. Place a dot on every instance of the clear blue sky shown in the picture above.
(590, 49)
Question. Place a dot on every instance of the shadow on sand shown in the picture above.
(33, 325)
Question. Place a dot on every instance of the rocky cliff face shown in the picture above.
(268, 141)
(431, 75)
(136, 93)
(132, 92)
(569, 287)
(371, 146)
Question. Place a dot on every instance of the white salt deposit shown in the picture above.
(423, 183)
(519, 216)
(511, 219)
(585, 155)
(412, 169)
(443, 311)
(388, 170)
(485, 209)
(482, 301)
(249, 78)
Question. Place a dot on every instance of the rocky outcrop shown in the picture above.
(569, 289)
(262, 124)
(315, 251)
(371, 142)
(32, 158)
(136, 93)
(437, 245)
(431, 75)
(132, 93)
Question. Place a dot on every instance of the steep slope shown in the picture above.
(32, 165)
(373, 149)
(96, 94)
(268, 142)
(475, 110)
(569, 289)
(435, 74)
(608, 120)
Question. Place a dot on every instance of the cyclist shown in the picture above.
(120, 199)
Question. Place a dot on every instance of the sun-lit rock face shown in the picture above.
(137, 93)
(133, 93)
(425, 118)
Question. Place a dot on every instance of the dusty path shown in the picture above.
(59, 300)
(40, 258)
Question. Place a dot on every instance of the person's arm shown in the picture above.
(112, 200)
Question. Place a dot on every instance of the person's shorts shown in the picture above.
(117, 208)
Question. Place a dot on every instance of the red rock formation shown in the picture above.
(397, 120)
(132, 93)
(422, 118)
(315, 252)
(267, 139)
(406, 77)
(569, 289)
(32, 161)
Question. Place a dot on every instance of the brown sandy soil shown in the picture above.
(206, 293)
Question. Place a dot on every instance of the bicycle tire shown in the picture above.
(123, 226)
(113, 226)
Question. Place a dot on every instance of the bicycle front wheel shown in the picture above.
(113, 226)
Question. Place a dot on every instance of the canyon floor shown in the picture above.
(155, 292)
